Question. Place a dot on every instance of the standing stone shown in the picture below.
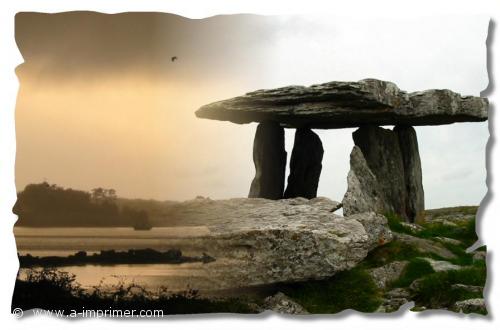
(380, 148)
(269, 157)
(413, 171)
(363, 191)
(305, 165)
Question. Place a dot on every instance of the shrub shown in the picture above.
(55, 290)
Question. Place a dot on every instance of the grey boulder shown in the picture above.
(261, 241)
(281, 303)
(475, 305)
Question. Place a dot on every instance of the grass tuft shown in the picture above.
(352, 289)
(416, 268)
(435, 290)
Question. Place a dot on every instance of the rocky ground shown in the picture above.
(426, 264)
(295, 256)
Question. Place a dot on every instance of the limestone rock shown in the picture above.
(363, 192)
(393, 300)
(398, 293)
(305, 165)
(479, 256)
(448, 240)
(451, 215)
(412, 227)
(348, 104)
(283, 304)
(384, 275)
(380, 148)
(391, 305)
(260, 241)
(269, 157)
(442, 265)
(412, 171)
(476, 305)
(425, 245)
(468, 288)
(385, 175)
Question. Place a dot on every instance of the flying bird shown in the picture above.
(173, 58)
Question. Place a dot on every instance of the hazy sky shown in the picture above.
(102, 104)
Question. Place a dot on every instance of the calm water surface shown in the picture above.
(66, 241)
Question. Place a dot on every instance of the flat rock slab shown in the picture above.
(425, 245)
(258, 241)
(475, 305)
(442, 265)
(348, 104)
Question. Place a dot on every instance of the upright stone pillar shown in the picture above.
(305, 165)
(269, 157)
(380, 148)
(363, 191)
(412, 170)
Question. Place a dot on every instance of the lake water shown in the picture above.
(66, 241)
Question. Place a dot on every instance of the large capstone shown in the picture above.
(305, 165)
(260, 241)
(363, 190)
(269, 157)
(412, 171)
(340, 104)
(380, 148)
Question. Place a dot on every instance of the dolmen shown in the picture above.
(386, 173)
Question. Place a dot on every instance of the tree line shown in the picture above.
(49, 205)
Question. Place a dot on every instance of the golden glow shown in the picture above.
(134, 133)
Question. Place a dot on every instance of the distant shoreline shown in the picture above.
(112, 257)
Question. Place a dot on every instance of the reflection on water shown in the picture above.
(66, 241)
(150, 276)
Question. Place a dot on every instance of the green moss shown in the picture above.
(435, 290)
(417, 268)
(463, 258)
(464, 231)
(352, 289)
(394, 221)
(395, 250)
